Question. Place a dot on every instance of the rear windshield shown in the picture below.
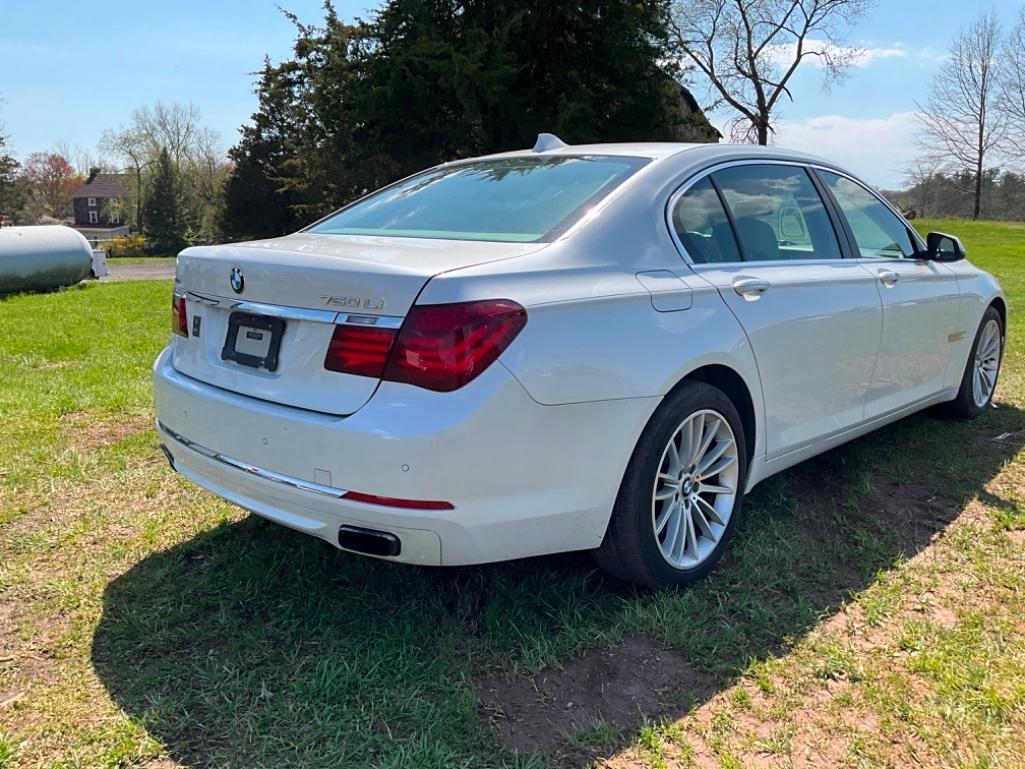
(511, 199)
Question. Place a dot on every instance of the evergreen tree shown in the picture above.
(164, 213)
(425, 81)
(258, 200)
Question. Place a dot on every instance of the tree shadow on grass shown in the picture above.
(251, 645)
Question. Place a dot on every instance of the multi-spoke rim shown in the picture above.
(695, 489)
(987, 363)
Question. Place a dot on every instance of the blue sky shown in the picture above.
(69, 69)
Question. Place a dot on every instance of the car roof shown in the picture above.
(663, 150)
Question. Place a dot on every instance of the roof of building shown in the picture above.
(102, 186)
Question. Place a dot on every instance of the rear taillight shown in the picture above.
(439, 347)
(443, 346)
(179, 316)
(359, 350)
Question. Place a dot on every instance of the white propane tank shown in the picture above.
(41, 258)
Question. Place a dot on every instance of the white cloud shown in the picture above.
(869, 55)
(876, 149)
(862, 56)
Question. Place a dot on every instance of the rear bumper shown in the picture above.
(524, 479)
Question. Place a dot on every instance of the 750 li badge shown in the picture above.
(354, 302)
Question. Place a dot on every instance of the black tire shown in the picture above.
(630, 549)
(964, 405)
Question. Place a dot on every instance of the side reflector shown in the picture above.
(179, 316)
(406, 504)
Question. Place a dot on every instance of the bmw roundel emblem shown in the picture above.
(238, 281)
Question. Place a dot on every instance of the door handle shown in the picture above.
(751, 289)
(888, 278)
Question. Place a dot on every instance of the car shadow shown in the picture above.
(251, 645)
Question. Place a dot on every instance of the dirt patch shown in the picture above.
(618, 687)
(915, 511)
(87, 432)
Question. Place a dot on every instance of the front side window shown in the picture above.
(878, 232)
(703, 227)
(778, 213)
(518, 199)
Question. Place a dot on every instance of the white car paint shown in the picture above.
(531, 453)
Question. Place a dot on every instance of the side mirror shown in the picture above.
(943, 248)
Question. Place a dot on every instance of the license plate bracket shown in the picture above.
(253, 340)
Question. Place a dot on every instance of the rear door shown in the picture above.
(761, 234)
(921, 300)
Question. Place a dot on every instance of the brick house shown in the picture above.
(96, 205)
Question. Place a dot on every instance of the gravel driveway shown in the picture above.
(141, 271)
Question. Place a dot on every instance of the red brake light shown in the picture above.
(179, 316)
(443, 346)
(439, 347)
(361, 350)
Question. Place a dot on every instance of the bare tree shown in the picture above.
(171, 127)
(198, 160)
(1012, 89)
(960, 124)
(918, 177)
(750, 49)
(130, 149)
(81, 158)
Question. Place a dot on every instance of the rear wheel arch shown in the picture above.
(632, 546)
(1001, 307)
(733, 385)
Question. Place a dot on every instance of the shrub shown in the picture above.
(126, 245)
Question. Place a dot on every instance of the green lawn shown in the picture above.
(871, 611)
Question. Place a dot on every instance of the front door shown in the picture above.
(920, 298)
(813, 318)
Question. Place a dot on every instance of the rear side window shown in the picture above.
(878, 232)
(703, 227)
(512, 199)
(778, 213)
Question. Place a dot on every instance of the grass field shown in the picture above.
(871, 611)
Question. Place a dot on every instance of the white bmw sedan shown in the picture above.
(568, 348)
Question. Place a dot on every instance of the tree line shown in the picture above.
(952, 195)
(973, 121)
(360, 104)
(171, 167)
(424, 81)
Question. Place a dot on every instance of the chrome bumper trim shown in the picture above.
(299, 313)
(259, 472)
(286, 313)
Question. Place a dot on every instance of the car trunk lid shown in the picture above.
(261, 314)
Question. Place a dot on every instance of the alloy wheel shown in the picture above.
(987, 364)
(695, 489)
